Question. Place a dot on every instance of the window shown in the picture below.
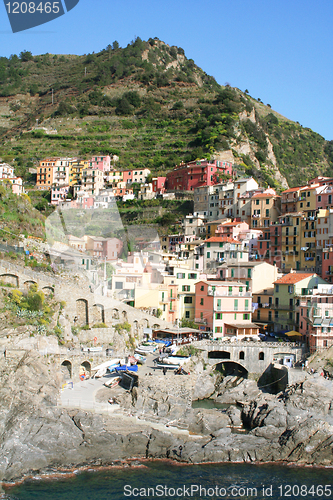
(290, 288)
(187, 300)
(246, 316)
(249, 273)
(186, 288)
(162, 296)
(246, 304)
(276, 314)
(119, 285)
(192, 276)
(267, 201)
(187, 314)
(208, 245)
(257, 202)
(181, 276)
(202, 288)
(232, 274)
(218, 316)
(261, 356)
(208, 255)
(229, 290)
(171, 293)
(236, 305)
(218, 304)
(277, 288)
(201, 302)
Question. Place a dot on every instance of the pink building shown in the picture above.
(324, 197)
(225, 308)
(188, 176)
(315, 313)
(159, 185)
(101, 248)
(232, 229)
(101, 162)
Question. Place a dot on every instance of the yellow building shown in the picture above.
(75, 171)
(265, 208)
(307, 204)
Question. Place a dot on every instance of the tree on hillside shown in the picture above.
(26, 55)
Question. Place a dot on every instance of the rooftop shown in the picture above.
(222, 239)
(293, 278)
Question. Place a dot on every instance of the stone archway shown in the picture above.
(124, 316)
(156, 326)
(232, 368)
(85, 369)
(115, 314)
(28, 284)
(98, 313)
(135, 326)
(82, 312)
(10, 279)
(67, 369)
(144, 323)
(48, 291)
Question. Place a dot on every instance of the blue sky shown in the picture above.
(280, 50)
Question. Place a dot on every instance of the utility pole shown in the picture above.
(105, 283)
(52, 96)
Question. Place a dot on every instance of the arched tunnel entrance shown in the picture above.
(67, 369)
(231, 368)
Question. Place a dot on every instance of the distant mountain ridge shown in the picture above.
(151, 106)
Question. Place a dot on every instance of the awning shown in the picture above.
(292, 333)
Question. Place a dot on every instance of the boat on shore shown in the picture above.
(171, 360)
(113, 382)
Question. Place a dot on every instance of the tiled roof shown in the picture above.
(220, 239)
(291, 278)
(290, 190)
(265, 195)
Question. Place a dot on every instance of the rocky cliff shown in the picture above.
(157, 420)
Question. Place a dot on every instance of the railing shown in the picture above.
(199, 320)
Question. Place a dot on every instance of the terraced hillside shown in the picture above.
(149, 105)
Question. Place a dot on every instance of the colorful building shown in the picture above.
(224, 308)
(286, 291)
(187, 177)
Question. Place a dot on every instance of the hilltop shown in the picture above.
(150, 105)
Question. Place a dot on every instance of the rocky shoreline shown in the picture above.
(38, 437)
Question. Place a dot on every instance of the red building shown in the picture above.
(189, 176)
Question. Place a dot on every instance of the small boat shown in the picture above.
(145, 349)
(129, 368)
(171, 360)
(113, 382)
(140, 359)
(102, 368)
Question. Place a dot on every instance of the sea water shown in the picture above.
(172, 481)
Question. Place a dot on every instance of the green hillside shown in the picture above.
(149, 105)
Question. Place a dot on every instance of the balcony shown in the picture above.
(199, 320)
